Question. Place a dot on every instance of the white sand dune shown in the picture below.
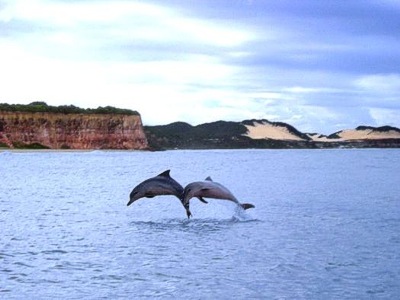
(269, 130)
(368, 134)
(323, 138)
(266, 130)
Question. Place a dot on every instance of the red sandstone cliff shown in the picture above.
(72, 131)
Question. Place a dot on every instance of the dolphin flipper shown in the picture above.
(247, 205)
(202, 199)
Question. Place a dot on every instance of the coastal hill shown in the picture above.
(40, 126)
(265, 134)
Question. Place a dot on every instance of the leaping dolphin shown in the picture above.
(210, 189)
(162, 184)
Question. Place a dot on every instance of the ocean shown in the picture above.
(326, 225)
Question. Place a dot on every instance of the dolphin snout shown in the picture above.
(133, 196)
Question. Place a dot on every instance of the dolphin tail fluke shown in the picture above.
(247, 205)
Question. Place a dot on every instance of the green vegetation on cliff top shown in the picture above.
(64, 109)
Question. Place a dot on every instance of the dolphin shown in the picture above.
(162, 184)
(210, 189)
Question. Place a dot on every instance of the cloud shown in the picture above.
(380, 83)
(385, 116)
(117, 27)
(318, 65)
(100, 50)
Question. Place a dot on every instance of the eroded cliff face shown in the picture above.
(72, 131)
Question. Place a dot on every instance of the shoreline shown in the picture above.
(70, 150)
(17, 151)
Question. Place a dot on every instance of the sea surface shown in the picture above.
(326, 225)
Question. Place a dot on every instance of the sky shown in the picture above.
(321, 66)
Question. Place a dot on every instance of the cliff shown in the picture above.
(71, 131)
(38, 125)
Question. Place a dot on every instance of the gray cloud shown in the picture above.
(318, 64)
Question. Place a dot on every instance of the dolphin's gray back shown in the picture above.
(211, 189)
(173, 185)
(160, 185)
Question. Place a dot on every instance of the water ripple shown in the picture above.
(67, 233)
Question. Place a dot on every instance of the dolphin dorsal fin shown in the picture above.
(165, 173)
(209, 178)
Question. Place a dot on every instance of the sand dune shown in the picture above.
(280, 131)
(266, 130)
(368, 134)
